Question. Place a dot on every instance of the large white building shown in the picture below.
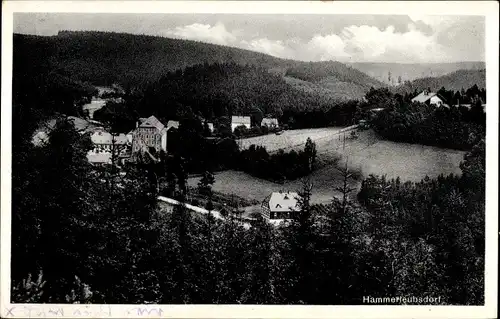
(149, 133)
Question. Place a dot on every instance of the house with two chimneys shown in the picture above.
(430, 98)
(280, 205)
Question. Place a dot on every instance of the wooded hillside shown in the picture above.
(104, 58)
(455, 81)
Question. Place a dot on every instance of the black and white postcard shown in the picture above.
(249, 159)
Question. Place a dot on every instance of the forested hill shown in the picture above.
(106, 57)
(331, 71)
(221, 89)
(103, 58)
(454, 81)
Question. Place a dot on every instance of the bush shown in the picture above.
(28, 291)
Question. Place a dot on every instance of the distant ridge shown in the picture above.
(461, 79)
(412, 71)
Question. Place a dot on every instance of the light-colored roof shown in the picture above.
(283, 202)
(269, 121)
(241, 119)
(151, 121)
(99, 157)
(101, 137)
(171, 124)
(423, 97)
(82, 125)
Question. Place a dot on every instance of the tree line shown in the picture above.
(455, 81)
(404, 121)
(280, 166)
(200, 154)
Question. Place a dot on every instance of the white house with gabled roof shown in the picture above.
(430, 98)
(281, 205)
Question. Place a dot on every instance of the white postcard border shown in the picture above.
(485, 8)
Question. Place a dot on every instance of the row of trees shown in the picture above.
(455, 81)
(469, 96)
(280, 166)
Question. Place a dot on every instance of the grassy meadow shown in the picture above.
(366, 154)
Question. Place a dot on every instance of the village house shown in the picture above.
(280, 205)
(105, 144)
(103, 141)
(269, 122)
(149, 133)
(430, 98)
(240, 121)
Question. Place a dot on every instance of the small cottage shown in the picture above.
(430, 98)
(269, 122)
(240, 121)
(280, 205)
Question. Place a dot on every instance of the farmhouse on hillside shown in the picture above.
(149, 133)
(280, 205)
(269, 122)
(430, 98)
(240, 121)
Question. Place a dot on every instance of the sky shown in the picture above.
(308, 37)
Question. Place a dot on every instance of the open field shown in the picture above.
(372, 155)
(367, 154)
(289, 139)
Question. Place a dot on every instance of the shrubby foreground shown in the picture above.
(99, 237)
